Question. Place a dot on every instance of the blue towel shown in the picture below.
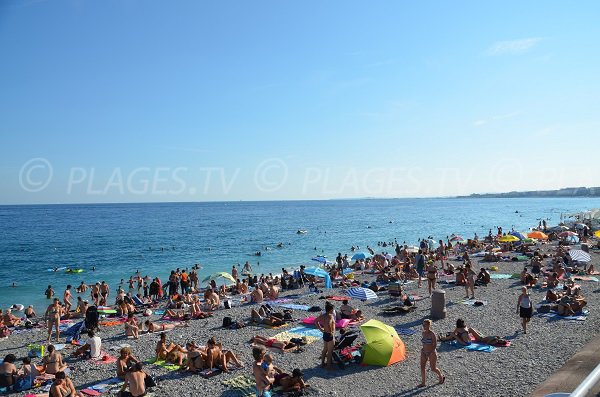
(306, 331)
(292, 306)
(474, 346)
(405, 331)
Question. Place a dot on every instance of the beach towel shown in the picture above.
(500, 276)
(503, 343)
(587, 278)
(287, 335)
(280, 300)
(91, 392)
(267, 326)
(471, 302)
(159, 312)
(515, 276)
(338, 298)
(164, 364)
(474, 346)
(343, 323)
(109, 384)
(243, 384)
(292, 306)
(306, 331)
(112, 323)
(405, 331)
(582, 316)
(417, 298)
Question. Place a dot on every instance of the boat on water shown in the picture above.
(301, 231)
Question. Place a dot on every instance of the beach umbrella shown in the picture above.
(318, 272)
(224, 277)
(572, 239)
(457, 238)
(320, 259)
(361, 293)
(384, 347)
(509, 238)
(580, 256)
(360, 255)
(597, 233)
(519, 235)
(538, 235)
(567, 234)
(580, 226)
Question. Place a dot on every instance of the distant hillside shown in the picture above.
(566, 192)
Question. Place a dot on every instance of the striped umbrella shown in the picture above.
(580, 256)
(361, 293)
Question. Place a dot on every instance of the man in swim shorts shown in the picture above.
(326, 324)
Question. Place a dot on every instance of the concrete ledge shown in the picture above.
(567, 378)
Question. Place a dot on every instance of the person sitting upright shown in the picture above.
(91, 349)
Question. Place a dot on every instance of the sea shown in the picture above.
(111, 242)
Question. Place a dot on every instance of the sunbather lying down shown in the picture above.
(155, 327)
(398, 309)
(181, 315)
(263, 317)
(462, 334)
(272, 342)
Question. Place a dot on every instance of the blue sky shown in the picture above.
(119, 101)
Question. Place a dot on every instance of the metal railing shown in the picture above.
(584, 387)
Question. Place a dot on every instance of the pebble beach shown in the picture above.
(514, 370)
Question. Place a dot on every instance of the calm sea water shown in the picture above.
(118, 239)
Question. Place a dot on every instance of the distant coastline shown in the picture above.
(565, 192)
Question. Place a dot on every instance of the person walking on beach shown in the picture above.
(326, 324)
(469, 280)
(429, 353)
(441, 253)
(524, 308)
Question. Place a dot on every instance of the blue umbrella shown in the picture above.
(361, 293)
(360, 255)
(519, 235)
(318, 272)
(321, 259)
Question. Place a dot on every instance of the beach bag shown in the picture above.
(22, 384)
(314, 309)
(149, 381)
(35, 350)
(227, 321)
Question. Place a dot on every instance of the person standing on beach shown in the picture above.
(104, 291)
(326, 324)
(420, 265)
(441, 252)
(524, 308)
(67, 299)
(429, 353)
(431, 276)
(95, 293)
(469, 280)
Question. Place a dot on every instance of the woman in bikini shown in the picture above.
(153, 327)
(429, 353)
(162, 350)
(196, 357)
(53, 318)
(272, 342)
(125, 362)
(431, 276)
(131, 326)
(53, 362)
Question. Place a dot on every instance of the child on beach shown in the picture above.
(524, 308)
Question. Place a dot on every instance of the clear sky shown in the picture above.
(119, 101)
